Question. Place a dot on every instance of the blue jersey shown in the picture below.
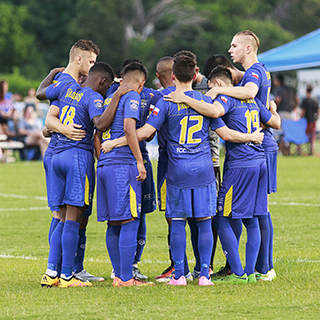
(128, 107)
(77, 105)
(162, 138)
(259, 75)
(114, 87)
(148, 97)
(190, 163)
(243, 116)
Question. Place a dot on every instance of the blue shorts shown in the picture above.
(47, 163)
(162, 189)
(118, 192)
(73, 178)
(191, 203)
(148, 190)
(243, 193)
(271, 159)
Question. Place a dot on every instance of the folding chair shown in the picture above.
(295, 134)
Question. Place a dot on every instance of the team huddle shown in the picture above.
(91, 114)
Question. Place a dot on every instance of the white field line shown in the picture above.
(23, 209)
(295, 204)
(21, 196)
(150, 261)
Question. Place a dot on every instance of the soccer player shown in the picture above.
(191, 188)
(256, 82)
(243, 194)
(119, 177)
(82, 56)
(72, 164)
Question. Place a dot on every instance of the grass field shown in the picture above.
(24, 223)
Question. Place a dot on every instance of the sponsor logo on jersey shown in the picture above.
(156, 111)
(134, 105)
(73, 95)
(224, 99)
(182, 106)
(98, 104)
(255, 75)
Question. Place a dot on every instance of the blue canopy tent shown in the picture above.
(301, 53)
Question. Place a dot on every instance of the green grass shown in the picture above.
(24, 224)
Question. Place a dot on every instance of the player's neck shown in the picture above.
(249, 61)
(72, 71)
(183, 86)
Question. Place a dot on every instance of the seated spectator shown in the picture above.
(30, 129)
(31, 100)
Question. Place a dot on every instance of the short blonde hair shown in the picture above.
(83, 45)
(255, 41)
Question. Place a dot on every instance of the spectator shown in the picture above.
(30, 129)
(31, 100)
(310, 111)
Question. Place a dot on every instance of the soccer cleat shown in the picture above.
(180, 282)
(272, 273)
(226, 270)
(137, 274)
(195, 274)
(233, 279)
(112, 276)
(189, 277)
(115, 281)
(210, 272)
(73, 282)
(132, 283)
(86, 276)
(263, 277)
(166, 273)
(203, 281)
(252, 278)
(49, 282)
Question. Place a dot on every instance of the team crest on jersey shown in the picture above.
(156, 111)
(255, 75)
(98, 104)
(224, 99)
(134, 105)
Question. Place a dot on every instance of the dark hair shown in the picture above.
(103, 69)
(135, 66)
(186, 53)
(130, 60)
(222, 73)
(86, 45)
(2, 82)
(280, 77)
(309, 88)
(215, 61)
(184, 67)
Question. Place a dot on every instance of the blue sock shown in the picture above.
(69, 243)
(205, 244)
(253, 243)
(141, 238)
(236, 225)
(53, 225)
(55, 247)
(169, 247)
(127, 248)
(178, 246)
(262, 264)
(194, 242)
(112, 242)
(271, 242)
(230, 245)
(78, 261)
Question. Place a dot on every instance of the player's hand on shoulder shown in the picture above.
(212, 93)
(107, 146)
(257, 136)
(177, 96)
(142, 171)
(122, 90)
(74, 132)
(54, 71)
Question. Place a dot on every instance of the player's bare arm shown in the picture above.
(97, 143)
(275, 120)
(72, 131)
(46, 132)
(238, 137)
(143, 133)
(129, 128)
(214, 110)
(41, 91)
(249, 91)
(104, 122)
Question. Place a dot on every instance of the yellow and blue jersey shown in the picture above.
(190, 163)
